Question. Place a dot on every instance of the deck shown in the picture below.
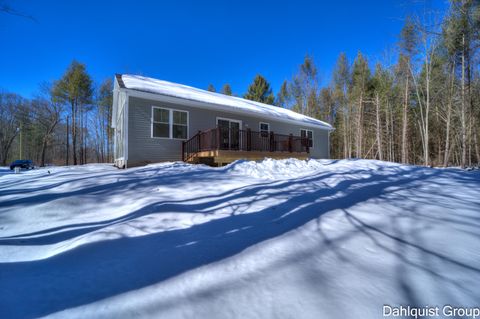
(220, 146)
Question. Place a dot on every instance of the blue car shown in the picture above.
(22, 164)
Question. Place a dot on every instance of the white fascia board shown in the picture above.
(211, 106)
(116, 91)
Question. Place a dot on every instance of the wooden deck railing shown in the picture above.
(242, 140)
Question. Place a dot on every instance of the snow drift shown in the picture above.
(275, 239)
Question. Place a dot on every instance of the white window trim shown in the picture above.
(170, 124)
(306, 131)
(260, 126)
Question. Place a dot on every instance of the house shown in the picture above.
(157, 121)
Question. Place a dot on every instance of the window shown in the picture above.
(308, 134)
(264, 129)
(167, 123)
(161, 122)
(180, 124)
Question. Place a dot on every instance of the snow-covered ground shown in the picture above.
(275, 239)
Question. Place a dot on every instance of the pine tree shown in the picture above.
(226, 89)
(211, 88)
(382, 96)
(358, 95)
(341, 82)
(260, 91)
(461, 36)
(327, 110)
(105, 101)
(75, 89)
(408, 46)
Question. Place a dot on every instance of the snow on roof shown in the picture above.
(145, 84)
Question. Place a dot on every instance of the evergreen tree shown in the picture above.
(358, 96)
(260, 91)
(424, 109)
(461, 37)
(409, 39)
(341, 83)
(226, 89)
(382, 83)
(74, 89)
(327, 109)
(104, 103)
(211, 88)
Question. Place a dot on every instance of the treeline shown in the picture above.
(424, 108)
(67, 122)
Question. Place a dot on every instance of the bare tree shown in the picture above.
(47, 111)
(10, 106)
(6, 8)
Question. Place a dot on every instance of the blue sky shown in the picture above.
(194, 42)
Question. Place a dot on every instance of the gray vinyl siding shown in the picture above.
(143, 149)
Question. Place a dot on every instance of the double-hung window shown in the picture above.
(264, 129)
(304, 133)
(179, 124)
(161, 122)
(168, 123)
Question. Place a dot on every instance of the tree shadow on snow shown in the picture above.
(103, 269)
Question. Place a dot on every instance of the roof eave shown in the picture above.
(120, 82)
(213, 106)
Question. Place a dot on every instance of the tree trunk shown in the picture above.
(462, 115)
(45, 139)
(379, 135)
(81, 135)
(449, 117)
(74, 132)
(477, 151)
(345, 134)
(387, 133)
(349, 130)
(447, 136)
(85, 138)
(470, 103)
(44, 146)
(405, 123)
(392, 136)
(100, 132)
(68, 144)
(427, 111)
(107, 132)
(359, 139)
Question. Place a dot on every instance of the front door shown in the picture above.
(229, 133)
